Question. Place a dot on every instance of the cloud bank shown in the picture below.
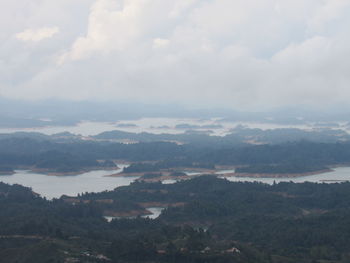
(240, 54)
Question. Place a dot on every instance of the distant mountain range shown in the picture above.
(15, 113)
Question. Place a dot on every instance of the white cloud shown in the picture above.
(113, 25)
(329, 11)
(160, 42)
(242, 53)
(181, 6)
(36, 35)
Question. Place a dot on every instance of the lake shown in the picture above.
(55, 186)
(98, 181)
(155, 213)
(337, 175)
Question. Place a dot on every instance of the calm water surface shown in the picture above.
(156, 211)
(55, 186)
(97, 181)
(338, 175)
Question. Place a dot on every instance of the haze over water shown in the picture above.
(155, 126)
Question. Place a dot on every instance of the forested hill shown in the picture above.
(302, 156)
(78, 155)
(236, 136)
(214, 220)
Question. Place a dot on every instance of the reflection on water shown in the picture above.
(339, 174)
(55, 186)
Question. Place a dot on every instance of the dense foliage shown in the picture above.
(285, 168)
(64, 156)
(207, 220)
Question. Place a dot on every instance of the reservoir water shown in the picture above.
(339, 174)
(155, 213)
(56, 186)
(98, 181)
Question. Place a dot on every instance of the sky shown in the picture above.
(247, 54)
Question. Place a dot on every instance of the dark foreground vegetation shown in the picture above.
(207, 220)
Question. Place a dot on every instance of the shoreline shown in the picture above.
(279, 175)
(121, 174)
(167, 173)
(215, 173)
(50, 172)
(167, 177)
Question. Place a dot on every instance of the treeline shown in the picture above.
(158, 175)
(239, 135)
(35, 230)
(54, 161)
(166, 164)
(286, 168)
(287, 221)
(278, 223)
(295, 157)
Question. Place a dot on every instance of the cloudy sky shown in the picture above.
(234, 53)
